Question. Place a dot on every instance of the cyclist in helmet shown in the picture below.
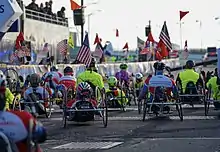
(83, 93)
(159, 68)
(18, 132)
(214, 84)
(112, 83)
(123, 75)
(91, 77)
(8, 95)
(68, 79)
(188, 75)
(40, 93)
(138, 82)
(53, 77)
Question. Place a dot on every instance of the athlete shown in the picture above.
(214, 85)
(8, 95)
(36, 92)
(189, 75)
(123, 75)
(15, 125)
(91, 77)
(68, 79)
(170, 91)
(116, 92)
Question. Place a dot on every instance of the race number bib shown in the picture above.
(12, 126)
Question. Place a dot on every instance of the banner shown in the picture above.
(10, 11)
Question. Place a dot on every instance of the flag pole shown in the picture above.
(181, 38)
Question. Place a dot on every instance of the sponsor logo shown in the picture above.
(2, 10)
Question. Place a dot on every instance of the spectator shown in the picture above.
(50, 6)
(33, 6)
(61, 13)
(41, 9)
(46, 8)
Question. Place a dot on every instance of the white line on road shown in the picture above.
(186, 138)
(140, 118)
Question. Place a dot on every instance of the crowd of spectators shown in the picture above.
(46, 9)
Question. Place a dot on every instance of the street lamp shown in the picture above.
(200, 27)
(89, 15)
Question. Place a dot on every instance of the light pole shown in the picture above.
(200, 27)
(89, 15)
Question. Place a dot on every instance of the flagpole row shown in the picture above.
(181, 38)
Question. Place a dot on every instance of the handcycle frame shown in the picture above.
(148, 103)
(200, 95)
(209, 100)
(102, 107)
(110, 97)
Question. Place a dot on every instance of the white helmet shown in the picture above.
(139, 76)
(2, 75)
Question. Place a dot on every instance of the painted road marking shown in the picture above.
(88, 145)
(185, 138)
(136, 109)
(140, 118)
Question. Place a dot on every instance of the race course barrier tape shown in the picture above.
(109, 69)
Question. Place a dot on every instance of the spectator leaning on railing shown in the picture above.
(33, 6)
(61, 13)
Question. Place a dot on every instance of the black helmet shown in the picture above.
(35, 80)
(159, 66)
(68, 70)
(53, 68)
(189, 64)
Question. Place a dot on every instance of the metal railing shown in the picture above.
(45, 17)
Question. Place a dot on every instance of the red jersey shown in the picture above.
(68, 82)
(25, 117)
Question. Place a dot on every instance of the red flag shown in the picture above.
(163, 50)
(150, 38)
(126, 46)
(19, 40)
(74, 5)
(97, 40)
(182, 14)
(145, 51)
(117, 33)
(158, 56)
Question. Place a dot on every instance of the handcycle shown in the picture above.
(113, 100)
(83, 110)
(160, 98)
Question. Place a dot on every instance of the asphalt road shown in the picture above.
(126, 132)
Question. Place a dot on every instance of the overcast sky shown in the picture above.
(130, 17)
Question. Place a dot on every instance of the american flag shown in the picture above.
(84, 54)
(164, 36)
(98, 51)
(62, 46)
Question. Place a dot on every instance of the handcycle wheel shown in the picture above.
(180, 111)
(63, 90)
(47, 107)
(145, 109)
(207, 101)
(140, 106)
(103, 106)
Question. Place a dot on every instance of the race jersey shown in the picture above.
(68, 81)
(160, 80)
(123, 76)
(39, 90)
(119, 94)
(55, 76)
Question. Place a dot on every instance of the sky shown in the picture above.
(130, 18)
